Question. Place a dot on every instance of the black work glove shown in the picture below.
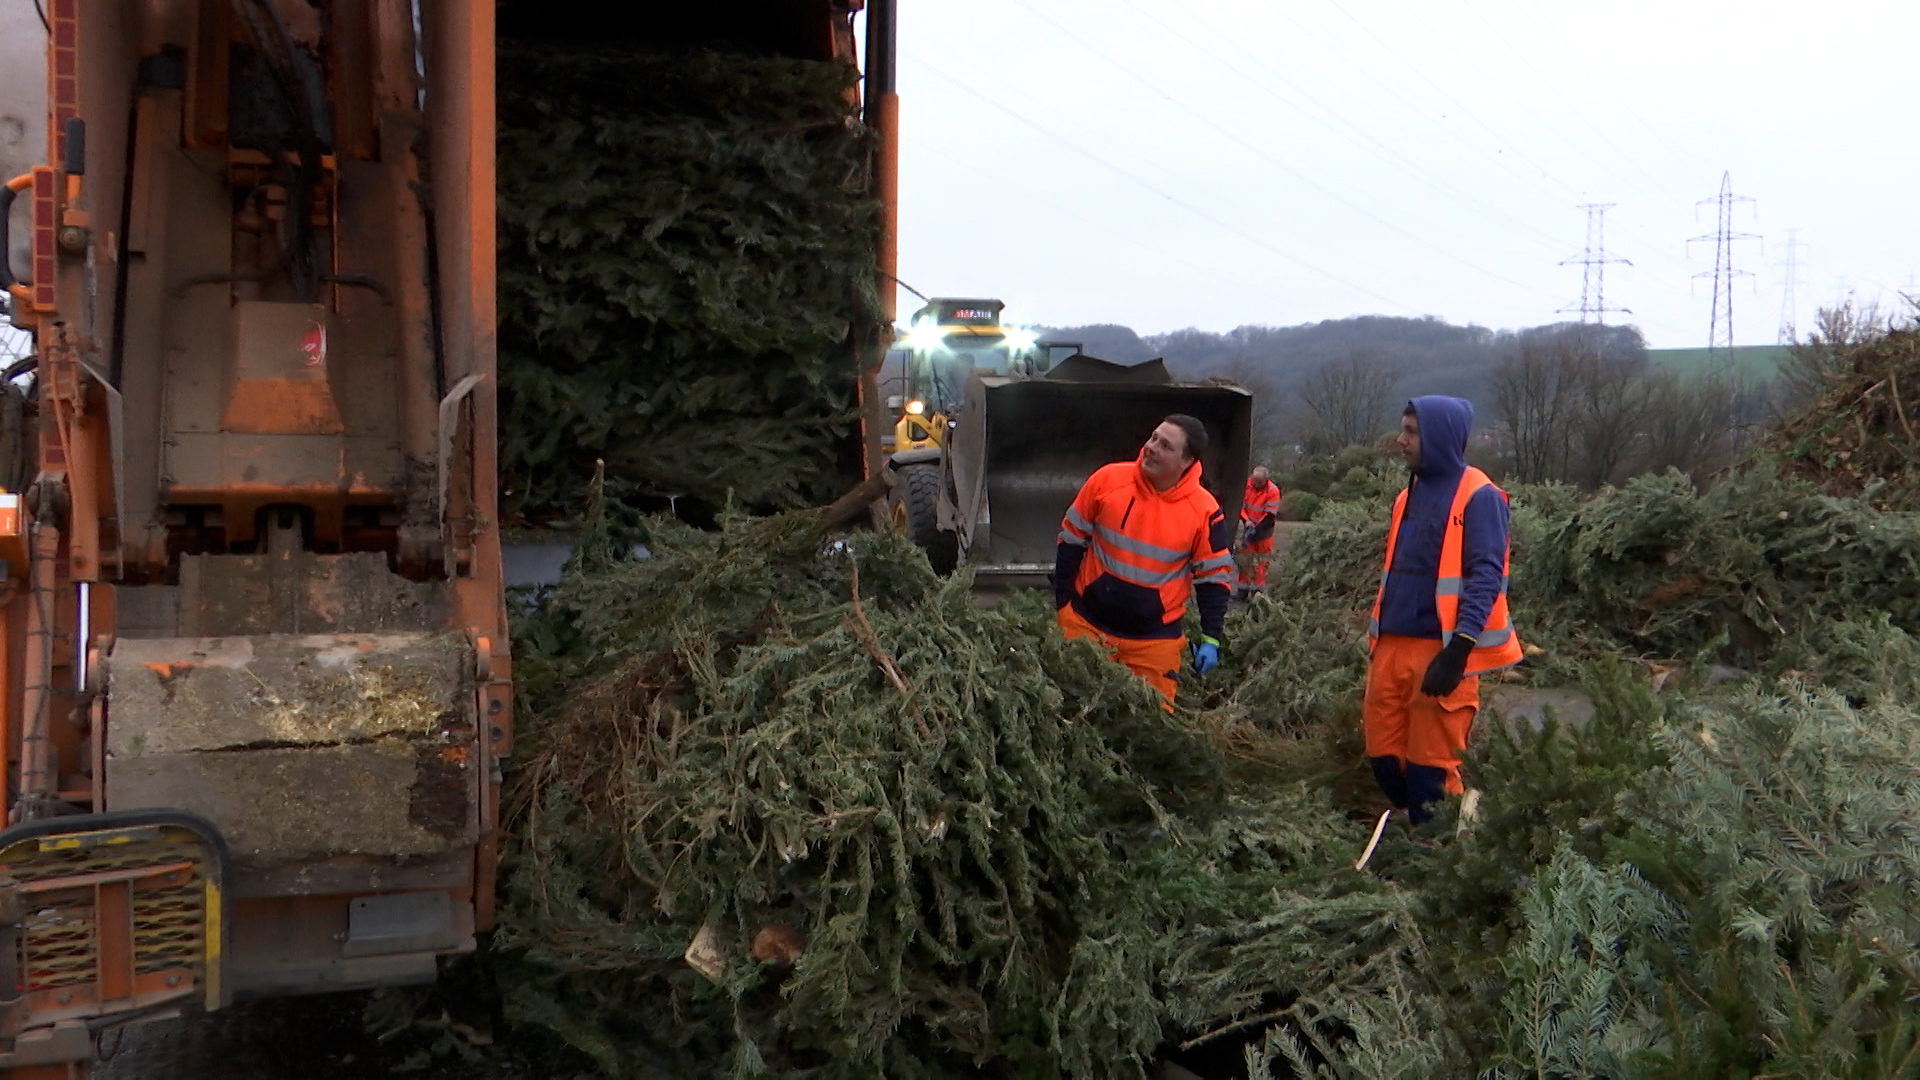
(1447, 669)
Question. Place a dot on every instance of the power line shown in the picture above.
(1352, 132)
(1168, 196)
(1679, 158)
(1261, 153)
(1521, 57)
(1789, 333)
(1499, 156)
(1593, 262)
(1464, 110)
(1458, 105)
(1720, 329)
(1100, 226)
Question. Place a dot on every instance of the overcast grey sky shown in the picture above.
(1165, 164)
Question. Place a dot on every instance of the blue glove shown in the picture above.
(1206, 655)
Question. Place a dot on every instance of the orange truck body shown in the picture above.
(255, 685)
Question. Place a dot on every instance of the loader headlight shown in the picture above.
(924, 336)
(916, 408)
(1020, 340)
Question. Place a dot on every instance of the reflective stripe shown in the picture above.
(1214, 563)
(1067, 536)
(1128, 544)
(1074, 519)
(1450, 586)
(1373, 628)
(1127, 572)
(1218, 577)
(1486, 639)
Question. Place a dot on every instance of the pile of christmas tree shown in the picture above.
(1862, 434)
(686, 241)
(789, 805)
(1716, 875)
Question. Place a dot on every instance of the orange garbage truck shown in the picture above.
(254, 672)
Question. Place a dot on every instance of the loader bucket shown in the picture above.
(1024, 446)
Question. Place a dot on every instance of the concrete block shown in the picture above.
(300, 748)
(390, 798)
(177, 695)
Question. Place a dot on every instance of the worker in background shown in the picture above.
(1259, 510)
(1440, 618)
(1141, 537)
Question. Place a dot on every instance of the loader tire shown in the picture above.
(915, 510)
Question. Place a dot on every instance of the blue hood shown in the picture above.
(1444, 425)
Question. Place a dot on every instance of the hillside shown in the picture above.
(1411, 356)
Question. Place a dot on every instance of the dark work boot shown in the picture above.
(1425, 785)
(1388, 774)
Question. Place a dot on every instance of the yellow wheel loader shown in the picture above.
(997, 429)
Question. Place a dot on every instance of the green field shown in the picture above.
(1757, 363)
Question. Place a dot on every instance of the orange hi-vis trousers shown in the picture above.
(1156, 660)
(1262, 552)
(1399, 721)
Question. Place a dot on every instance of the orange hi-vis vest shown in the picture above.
(1496, 646)
(1146, 549)
(1255, 505)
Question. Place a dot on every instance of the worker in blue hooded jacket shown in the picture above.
(1440, 619)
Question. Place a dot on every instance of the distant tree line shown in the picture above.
(1583, 405)
(1570, 402)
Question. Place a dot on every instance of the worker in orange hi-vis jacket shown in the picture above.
(1139, 539)
(1440, 618)
(1259, 510)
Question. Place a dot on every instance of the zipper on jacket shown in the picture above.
(1128, 514)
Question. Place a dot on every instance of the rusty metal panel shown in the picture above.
(348, 874)
(302, 593)
(301, 403)
(278, 382)
(208, 85)
(293, 945)
(350, 78)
